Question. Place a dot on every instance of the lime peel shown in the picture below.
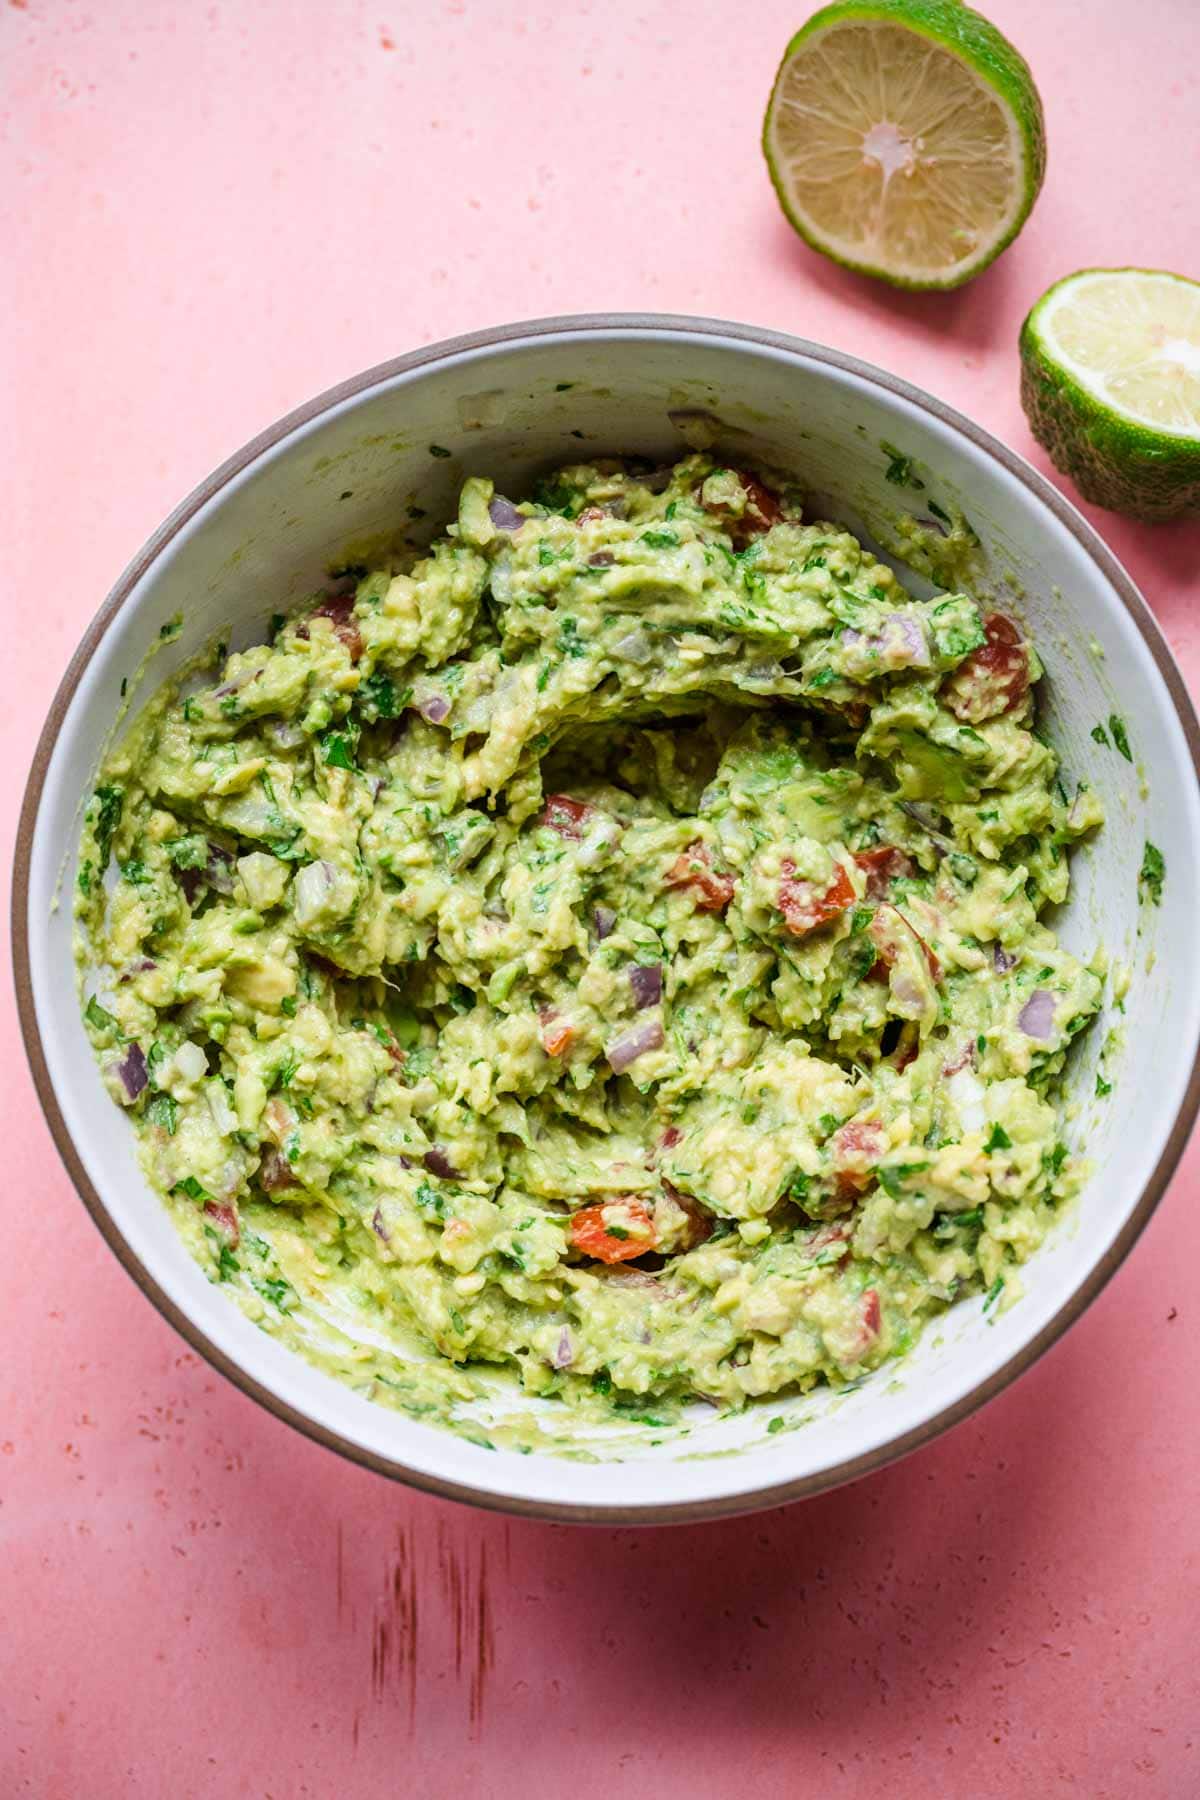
(1110, 384)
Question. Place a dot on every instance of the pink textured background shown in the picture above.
(209, 212)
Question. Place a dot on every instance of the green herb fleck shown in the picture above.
(998, 1139)
(1152, 874)
(1120, 736)
(164, 1112)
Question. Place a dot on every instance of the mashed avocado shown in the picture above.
(606, 947)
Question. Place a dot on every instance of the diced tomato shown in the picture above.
(804, 906)
(566, 816)
(882, 866)
(590, 514)
(907, 1050)
(994, 678)
(762, 508)
(226, 1221)
(670, 1137)
(557, 1033)
(834, 1235)
(859, 1142)
(964, 1060)
(855, 1148)
(693, 868)
(612, 1242)
(339, 610)
(275, 1172)
(870, 1322)
(884, 929)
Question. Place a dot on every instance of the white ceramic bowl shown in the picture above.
(261, 532)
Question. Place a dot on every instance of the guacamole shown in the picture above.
(605, 946)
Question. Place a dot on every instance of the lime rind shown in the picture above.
(1115, 460)
(991, 59)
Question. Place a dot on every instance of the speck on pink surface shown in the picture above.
(208, 213)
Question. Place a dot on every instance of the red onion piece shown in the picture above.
(434, 707)
(564, 1350)
(645, 984)
(132, 1071)
(626, 1050)
(504, 515)
(191, 881)
(906, 631)
(932, 524)
(438, 1163)
(604, 921)
(379, 1228)
(1036, 1017)
(600, 559)
(1002, 961)
(218, 870)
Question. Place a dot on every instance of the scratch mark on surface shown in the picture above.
(395, 1631)
(484, 1646)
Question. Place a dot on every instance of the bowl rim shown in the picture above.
(578, 324)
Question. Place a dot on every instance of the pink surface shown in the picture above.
(208, 213)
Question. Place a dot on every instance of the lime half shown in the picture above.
(1110, 383)
(905, 139)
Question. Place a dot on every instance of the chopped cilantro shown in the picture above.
(659, 540)
(1152, 874)
(337, 747)
(377, 695)
(98, 1018)
(1100, 735)
(900, 468)
(163, 1111)
(192, 1188)
(774, 1425)
(998, 1139)
(1120, 736)
(109, 802)
(993, 1293)
(438, 450)
(280, 1293)
(1103, 1088)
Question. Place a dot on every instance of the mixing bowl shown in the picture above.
(261, 533)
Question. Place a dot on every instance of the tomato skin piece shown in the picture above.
(880, 931)
(700, 1221)
(762, 509)
(993, 679)
(590, 1235)
(339, 610)
(226, 1221)
(803, 908)
(558, 1034)
(881, 866)
(693, 868)
(856, 1148)
(566, 816)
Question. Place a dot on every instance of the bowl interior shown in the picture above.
(322, 491)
